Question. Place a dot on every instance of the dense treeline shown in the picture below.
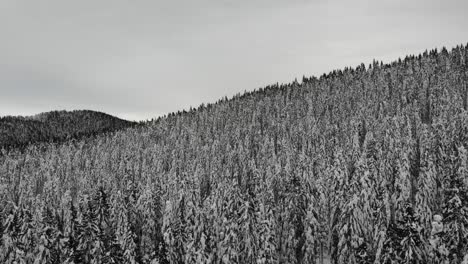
(56, 126)
(362, 165)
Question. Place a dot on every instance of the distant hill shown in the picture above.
(56, 126)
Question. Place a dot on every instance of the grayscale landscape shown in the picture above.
(234, 132)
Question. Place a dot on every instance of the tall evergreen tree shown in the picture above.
(455, 211)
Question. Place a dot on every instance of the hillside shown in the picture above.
(361, 165)
(56, 126)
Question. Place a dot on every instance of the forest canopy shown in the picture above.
(361, 165)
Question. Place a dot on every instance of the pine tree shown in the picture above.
(266, 236)
(1, 233)
(13, 246)
(455, 211)
(298, 203)
(248, 230)
(405, 243)
(174, 225)
(313, 243)
(87, 233)
(107, 248)
(50, 250)
(72, 242)
(150, 208)
(128, 243)
(18, 236)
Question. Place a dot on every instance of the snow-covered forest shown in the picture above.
(56, 126)
(361, 165)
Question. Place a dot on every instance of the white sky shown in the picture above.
(139, 59)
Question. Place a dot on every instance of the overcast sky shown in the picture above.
(140, 59)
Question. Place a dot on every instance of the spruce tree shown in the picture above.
(50, 250)
(87, 233)
(455, 211)
(405, 242)
(72, 242)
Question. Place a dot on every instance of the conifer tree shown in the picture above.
(87, 233)
(13, 248)
(405, 243)
(1, 231)
(313, 245)
(455, 211)
(72, 253)
(50, 249)
(266, 236)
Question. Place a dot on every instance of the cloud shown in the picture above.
(146, 58)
